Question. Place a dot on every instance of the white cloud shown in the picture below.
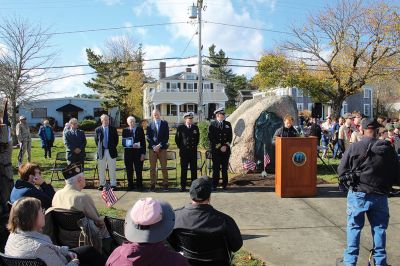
(236, 42)
(152, 52)
(141, 31)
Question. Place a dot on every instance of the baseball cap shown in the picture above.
(369, 123)
(72, 170)
(200, 189)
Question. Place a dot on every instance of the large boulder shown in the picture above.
(258, 119)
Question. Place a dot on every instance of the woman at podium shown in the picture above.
(287, 130)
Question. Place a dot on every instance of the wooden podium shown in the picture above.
(296, 166)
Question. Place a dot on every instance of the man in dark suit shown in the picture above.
(187, 139)
(220, 137)
(106, 139)
(75, 141)
(157, 135)
(134, 144)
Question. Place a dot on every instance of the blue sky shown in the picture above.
(160, 41)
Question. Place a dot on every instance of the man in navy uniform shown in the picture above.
(220, 137)
(187, 139)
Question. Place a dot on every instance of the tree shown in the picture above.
(338, 51)
(25, 57)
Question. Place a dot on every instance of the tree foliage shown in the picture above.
(337, 52)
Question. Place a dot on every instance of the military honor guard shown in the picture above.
(187, 139)
(220, 137)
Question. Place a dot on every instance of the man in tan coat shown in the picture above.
(24, 139)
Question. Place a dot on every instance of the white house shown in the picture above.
(177, 94)
(63, 109)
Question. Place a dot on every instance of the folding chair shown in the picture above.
(200, 162)
(172, 165)
(116, 227)
(67, 221)
(201, 248)
(90, 164)
(146, 167)
(208, 163)
(59, 164)
(120, 167)
(14, 261)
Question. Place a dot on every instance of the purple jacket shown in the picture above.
(145, 254)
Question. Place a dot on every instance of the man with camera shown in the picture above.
(370, 168)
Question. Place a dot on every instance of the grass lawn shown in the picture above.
(323, 172)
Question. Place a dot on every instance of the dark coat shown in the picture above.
(379, 172)
(204, 218)
(154, 138)
(187, 139)
(23, 188)
(286, 132)
(112, 141)
(139, 137)
(43, 138)
(72, 142)
(219, 137)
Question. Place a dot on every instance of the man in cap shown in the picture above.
(71, 197)
(24, 139)
(390, 128)
(220, 137)
(147, 224)
(187, 139)
(345, 132)
(200, 217)
(374, 168)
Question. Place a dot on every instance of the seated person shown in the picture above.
(25, 186)
(25, 224)
(147, 224)
(200, 217)
(287, 130)
(71, 197)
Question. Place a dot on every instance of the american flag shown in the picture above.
(267, 159)
(249, 165)
(108, 196)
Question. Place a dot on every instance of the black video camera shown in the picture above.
(350, 179)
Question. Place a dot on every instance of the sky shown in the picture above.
(163, 28)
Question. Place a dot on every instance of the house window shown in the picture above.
(190, 87)
(300, 107)
(367, 109)
(310, 106)
(299, 92)
(206, 86)
(367, 93)
(344, 107)
(172, 110)
(191, 76)
(188, 108)
(39, 113)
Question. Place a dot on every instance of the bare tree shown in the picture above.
(349, 44)
(25, 57)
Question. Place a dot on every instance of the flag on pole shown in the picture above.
(108, 196)
(249, 165)
(267, 159)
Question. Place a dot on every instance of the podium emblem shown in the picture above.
(299, 158)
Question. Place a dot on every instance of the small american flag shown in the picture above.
(249, 165)
(267, 159)
(108, 196)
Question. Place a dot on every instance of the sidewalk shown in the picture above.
(290, 231)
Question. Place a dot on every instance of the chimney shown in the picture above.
(189, 69)
(163, 70)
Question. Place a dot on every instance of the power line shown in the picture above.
(248, 27)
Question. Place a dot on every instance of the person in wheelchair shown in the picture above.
(199, 217)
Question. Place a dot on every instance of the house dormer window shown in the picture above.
(190, 76)
(367, 93)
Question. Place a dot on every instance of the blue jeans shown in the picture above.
(377, 210)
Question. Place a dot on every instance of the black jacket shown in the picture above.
(73, 141)
(204, 218)
(220, 136)
(187, 139)
(139, 137)
(23, 188)
(286, 132)
(379, 171)
(154, 138)
(112, 141)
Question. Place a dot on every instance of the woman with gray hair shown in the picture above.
(134, 143)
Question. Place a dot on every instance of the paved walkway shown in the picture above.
(289, 231)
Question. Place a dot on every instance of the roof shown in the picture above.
(66, 98)
(69, 108)
(247, 92)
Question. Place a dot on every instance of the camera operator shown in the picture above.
(373, 168)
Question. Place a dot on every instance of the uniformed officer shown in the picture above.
(220, 137)
(187, 139)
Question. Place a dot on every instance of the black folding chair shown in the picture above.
(59, 164)
(67, 220)
(116, 227)
(201, 248)
(13, 261)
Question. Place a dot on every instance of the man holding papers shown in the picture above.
(134, 143)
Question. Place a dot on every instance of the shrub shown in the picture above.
(203, 128)
(87, 125)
